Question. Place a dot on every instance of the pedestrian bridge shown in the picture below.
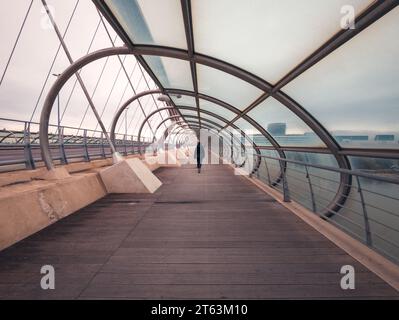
(294, 104)
(213, 235)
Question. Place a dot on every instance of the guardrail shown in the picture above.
(370, 212)
(20, 145)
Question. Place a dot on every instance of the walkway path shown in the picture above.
(213, 235)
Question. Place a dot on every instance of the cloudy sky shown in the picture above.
(35, 51)
(356, 88)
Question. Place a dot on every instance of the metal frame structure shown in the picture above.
(185, 127)
(23, 144)
(373, 13)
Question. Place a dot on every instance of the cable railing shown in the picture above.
(20, 145)
(369, 212)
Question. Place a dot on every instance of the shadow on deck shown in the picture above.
(212, 235)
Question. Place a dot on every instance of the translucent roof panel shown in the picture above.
(226, 87)
(283, 125)
(217, 109)
(191, 121)
(206, 123)
(140, 20)
(354, 91)
(245, 126)
(266, 37)
(187, 101)
(188, 112)
(209, 117)
(172, 73)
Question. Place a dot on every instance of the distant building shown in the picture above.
(277, 129)
(384, 137)
(348, 138)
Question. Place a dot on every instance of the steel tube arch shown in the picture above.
(118, 114)
(323, 134)
(195, 117)
(205, 125)
(163, 121)
(206, 120)
(57, 86)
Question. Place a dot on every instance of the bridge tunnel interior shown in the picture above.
(311, 122)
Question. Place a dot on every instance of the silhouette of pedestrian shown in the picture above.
(199, 154)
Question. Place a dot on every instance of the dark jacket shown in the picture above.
(199, 152)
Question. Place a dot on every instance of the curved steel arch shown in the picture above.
(269, 137)
(163, 121)
(207, 126)
(245, 76)
(195, 117)
(188, 128)
(188, 116)
(324, 135)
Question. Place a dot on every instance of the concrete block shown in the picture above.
(129, 176)
(151, 162)
(27, 208)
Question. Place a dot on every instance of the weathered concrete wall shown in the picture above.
(28, 203)
(28, 208)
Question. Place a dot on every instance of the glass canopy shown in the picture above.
(320, 82)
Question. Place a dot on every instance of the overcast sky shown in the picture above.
(35, 51)
(355, 88)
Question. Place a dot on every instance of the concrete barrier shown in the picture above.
(30, 207)
(129, 176)
(31, 200)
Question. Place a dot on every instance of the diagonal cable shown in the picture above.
(16, 42)
(55, 58)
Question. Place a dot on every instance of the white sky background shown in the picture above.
(37, 48)
(20, 90)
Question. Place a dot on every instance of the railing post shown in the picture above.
(102, 146)
(29, 161)
(85, 147)
(124, 144)
(311, 190)
(286, 191)
(63, 157)
(231, 149)
(268, 173)
(369, 241)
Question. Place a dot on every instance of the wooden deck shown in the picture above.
(207, 236)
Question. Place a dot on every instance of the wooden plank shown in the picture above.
(211, 235)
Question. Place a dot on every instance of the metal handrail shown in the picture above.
(89, 145)
(357, 173)
(360, 216)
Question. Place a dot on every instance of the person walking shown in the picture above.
(199, 154)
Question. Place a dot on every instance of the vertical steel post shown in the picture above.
(268, 173)
(102, 146)
(86, 149)
(125, 144)
(63, 157)
(231, 148)
(311, 190)
(367, 229)
(29, 161)
(286, 190)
